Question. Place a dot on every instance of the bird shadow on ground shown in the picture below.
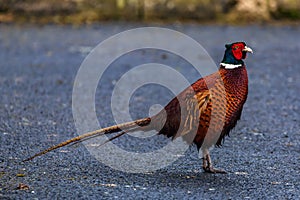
(181, 180)
(187, 180)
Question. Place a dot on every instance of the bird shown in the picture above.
(203, 113)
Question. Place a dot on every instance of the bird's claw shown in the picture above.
(208, 167)
(213, 170)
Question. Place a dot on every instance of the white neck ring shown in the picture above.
(230, 66)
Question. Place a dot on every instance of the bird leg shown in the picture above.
(208, 167)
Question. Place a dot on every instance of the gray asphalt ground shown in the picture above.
(37, 71)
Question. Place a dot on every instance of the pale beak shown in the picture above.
(247, 49)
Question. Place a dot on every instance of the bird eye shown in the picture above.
(235, 48)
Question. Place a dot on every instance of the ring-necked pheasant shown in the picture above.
(203, 113)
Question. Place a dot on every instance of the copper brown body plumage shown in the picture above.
(207, 90)
(203, 113)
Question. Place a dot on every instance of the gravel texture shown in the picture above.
(37, 71)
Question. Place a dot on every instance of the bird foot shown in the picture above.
(207, 166)
(214, 171)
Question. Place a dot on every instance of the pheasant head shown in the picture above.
(234, 55)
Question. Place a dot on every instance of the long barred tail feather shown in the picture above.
(111, 139)
(100, 134)
(129, 127)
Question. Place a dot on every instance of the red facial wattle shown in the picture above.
(237, 51)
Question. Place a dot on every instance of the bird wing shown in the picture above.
(181, 117)
(191, 109)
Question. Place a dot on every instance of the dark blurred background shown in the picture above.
(89, 11)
